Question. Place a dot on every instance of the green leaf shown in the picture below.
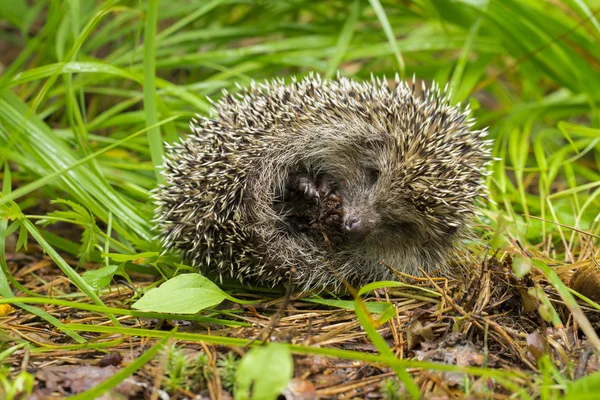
(147, 257)
(521, 265)
(394, 284)
(100, 278)
(14, 11)
(587, 387)
(265, 371)
(22, 239)
(375, 308)
(81, 216)
(545, 308)
(461, 64)
(184, 294)
(12, 228)
(10, 211)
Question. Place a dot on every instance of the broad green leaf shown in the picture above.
(184, 294)
(264, 372)
(100, 278)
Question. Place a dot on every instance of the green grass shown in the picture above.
(94, 88)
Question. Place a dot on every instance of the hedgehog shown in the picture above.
(323, 183)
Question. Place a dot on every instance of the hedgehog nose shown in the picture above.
(352, 224)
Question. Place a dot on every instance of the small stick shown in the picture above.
(266, 332)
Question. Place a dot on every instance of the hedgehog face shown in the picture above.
(359, 190)
(376, 207)
(379, 208)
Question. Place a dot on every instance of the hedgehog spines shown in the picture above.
(232, 175)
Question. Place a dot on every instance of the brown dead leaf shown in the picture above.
(71, 379)
(300, 389)
(535, 346)
(113, 358)
(417, 333)
(453, 349)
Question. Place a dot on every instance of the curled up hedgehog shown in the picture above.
(321, 182)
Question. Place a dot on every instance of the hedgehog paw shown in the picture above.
(308, 188)
(325, 187)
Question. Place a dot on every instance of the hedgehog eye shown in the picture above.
(373, 175)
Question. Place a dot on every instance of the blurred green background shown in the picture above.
(80, 77)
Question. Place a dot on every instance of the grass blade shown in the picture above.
(344, 39)
(154, 136)
(385, 23)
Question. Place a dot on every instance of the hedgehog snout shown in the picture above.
(359, 221)
(355, 227)
(352, 224)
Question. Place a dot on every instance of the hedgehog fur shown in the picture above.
(320, 182)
